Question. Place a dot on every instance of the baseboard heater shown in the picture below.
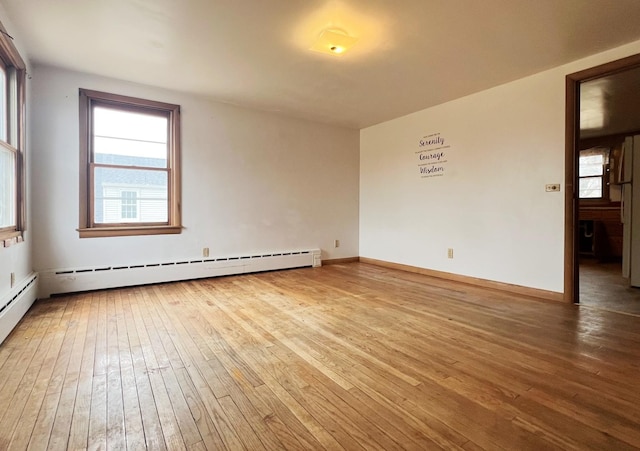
(14, 305)
(96, 278)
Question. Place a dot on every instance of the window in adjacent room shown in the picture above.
(130, 180)
(12, 101)
(592, 171)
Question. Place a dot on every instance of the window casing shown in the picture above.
(129, 166)
(12, 107)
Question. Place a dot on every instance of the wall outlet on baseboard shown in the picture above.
(450, 253)
(205, 251)
(336, 243)
(13, 279)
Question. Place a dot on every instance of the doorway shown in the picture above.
(596, 125)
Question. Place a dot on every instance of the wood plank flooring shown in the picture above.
(602, 286)
(348, 356)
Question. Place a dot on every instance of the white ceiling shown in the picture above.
(610, 105)
(411, 54)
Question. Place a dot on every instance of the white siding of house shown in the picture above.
(152, 203)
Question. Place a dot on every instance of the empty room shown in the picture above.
(319, 224)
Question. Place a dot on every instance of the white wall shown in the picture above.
(17, 258)
(490, 205)
(251, 181)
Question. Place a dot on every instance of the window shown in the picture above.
(129, 205)
(591, 173)
(129, 164)
(12, 101)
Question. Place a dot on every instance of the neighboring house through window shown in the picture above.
(12, 101)
(130, 180)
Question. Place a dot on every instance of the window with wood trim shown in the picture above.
(12, 107)
(592, 170)
(129, 166)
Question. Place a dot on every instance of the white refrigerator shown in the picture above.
(631, 210)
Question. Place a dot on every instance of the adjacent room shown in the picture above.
(609, 125)
(322, 224)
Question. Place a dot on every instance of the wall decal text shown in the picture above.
(432, 155)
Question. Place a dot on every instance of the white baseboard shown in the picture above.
(97, 278)
(15, 304)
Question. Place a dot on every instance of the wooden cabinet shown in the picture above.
(601, 232)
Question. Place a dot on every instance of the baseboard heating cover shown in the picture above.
(15, 304)
(97, 278)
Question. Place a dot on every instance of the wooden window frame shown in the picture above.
(604, 195)
(15, 112)
(88, 228)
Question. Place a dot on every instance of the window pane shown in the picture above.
(590, 187)
(129, 139)
(129, 153)
(130, 195)
(591, 165)
(3, 104)
(7, 188)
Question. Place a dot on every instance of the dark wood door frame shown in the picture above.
(572, 131)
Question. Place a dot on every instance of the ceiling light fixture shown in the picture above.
(333, 41)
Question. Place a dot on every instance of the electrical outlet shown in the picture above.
(13, 279)
(552, 187)
(450, 253)
(336, 243)
(205, 251)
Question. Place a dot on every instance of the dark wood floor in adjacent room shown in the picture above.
(602, 286)
(346, 356)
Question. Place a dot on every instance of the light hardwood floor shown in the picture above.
(346, 356)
